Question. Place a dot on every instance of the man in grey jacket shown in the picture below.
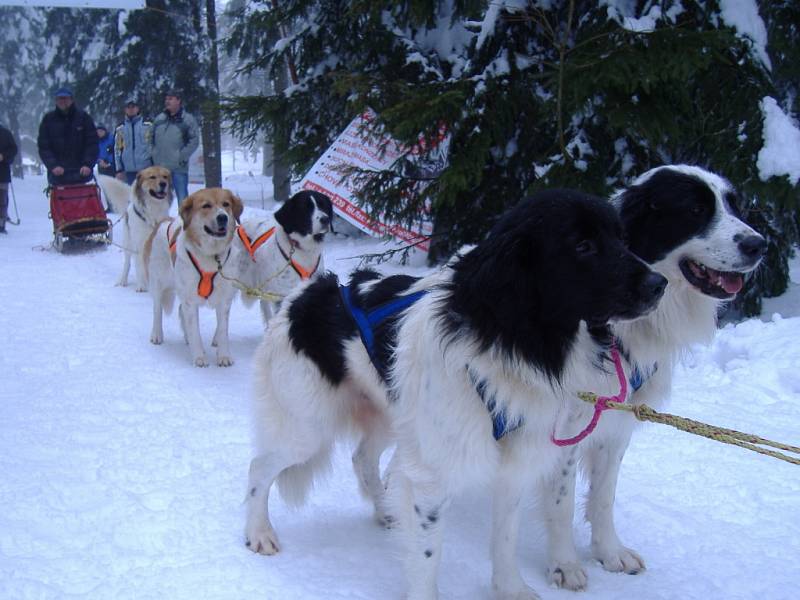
(132, 139)
(175, 138)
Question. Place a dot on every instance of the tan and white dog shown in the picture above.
(143, 205)
(279, 252)
(190, 259)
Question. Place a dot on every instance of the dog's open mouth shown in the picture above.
(717, 284)
(158, 194)
(220, 232)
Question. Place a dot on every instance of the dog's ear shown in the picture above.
(187, 209)
(238, 206)
(137, 184)
(288, 216)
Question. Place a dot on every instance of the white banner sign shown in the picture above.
(107, 4)
(355, 147)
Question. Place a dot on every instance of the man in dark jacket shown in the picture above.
(8, 151)
(67, 142)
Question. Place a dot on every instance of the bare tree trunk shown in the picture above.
(13, 127)
(212, 137)
(281, 174)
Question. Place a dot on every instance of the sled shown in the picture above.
(78, 214)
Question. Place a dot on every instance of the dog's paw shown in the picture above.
(385, 521)
(200, 361)
(224, 361)
(141, 289)
(121, 283)
(262, 541)
(157, 339)
(620, 560)
(570, 576)
(521, 593)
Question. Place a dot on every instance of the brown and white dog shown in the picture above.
(143, 205)
(188, 259)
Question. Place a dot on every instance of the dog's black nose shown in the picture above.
(654, 285)
(325, 219)
(162, 184)
(222, 220)
(753, 246)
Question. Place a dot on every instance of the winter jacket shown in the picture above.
(8, 148)
(175, 138)
(106, 152)
(69, 140)
(132, 139)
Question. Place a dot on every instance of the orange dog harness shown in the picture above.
(252, 245)
(298, 268)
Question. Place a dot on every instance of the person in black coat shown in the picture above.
(67, 142)
(8, 151)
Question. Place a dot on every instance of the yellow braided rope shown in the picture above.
(720, 434)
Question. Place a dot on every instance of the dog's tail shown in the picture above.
(118, 193)
(295, 482)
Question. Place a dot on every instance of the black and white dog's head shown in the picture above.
(306, 217)
(554, 260)
(684, 222)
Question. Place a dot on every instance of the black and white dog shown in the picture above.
(278, 252)
(682, 220)
(470, 369)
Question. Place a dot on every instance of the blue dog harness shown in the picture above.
(366, 320)
(638, 379)
(500, 423)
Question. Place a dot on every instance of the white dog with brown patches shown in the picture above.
(190, 259)
(143, 205)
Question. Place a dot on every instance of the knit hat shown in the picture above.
(63, 92)
(131, 102)
(173, 93)
(101, 126)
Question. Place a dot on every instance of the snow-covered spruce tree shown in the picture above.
(112, 55)
(572, 93)
(22, 77)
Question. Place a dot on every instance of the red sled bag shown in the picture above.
(77, 211)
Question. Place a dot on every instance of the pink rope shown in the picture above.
(600, 404)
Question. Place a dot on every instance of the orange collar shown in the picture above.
(252, 245)
(298, 268)
(205, 287)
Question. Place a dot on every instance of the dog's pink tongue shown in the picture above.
(731, 282)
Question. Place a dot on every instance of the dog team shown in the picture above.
(199, 256)
(470, 374)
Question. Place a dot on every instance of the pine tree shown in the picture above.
(22, 78)
(534, 95)
(112, 55)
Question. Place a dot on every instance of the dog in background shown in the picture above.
(143, 206)
(189, 258)
(279, 252)
(683, 221)
(469, 369)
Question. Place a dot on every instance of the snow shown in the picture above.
(124, 467)
(743, 16)
(780, 154)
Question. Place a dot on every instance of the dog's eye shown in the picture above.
(207, 205)
(226, 204)
(586, 248)
(698, 210)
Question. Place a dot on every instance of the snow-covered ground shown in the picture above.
(123, 468)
